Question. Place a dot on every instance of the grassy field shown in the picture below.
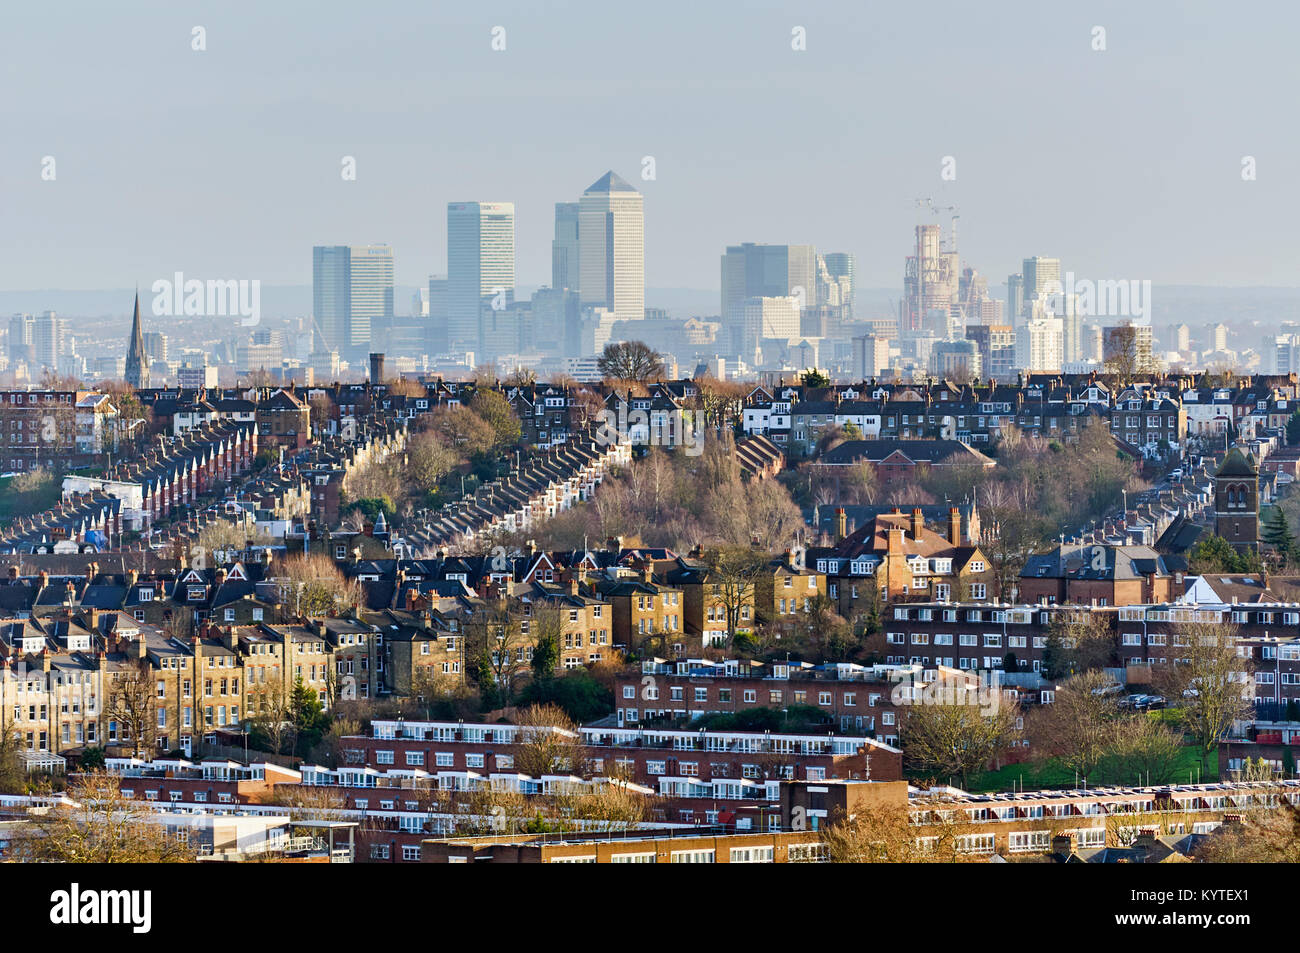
(14, 503)
(1051, 774)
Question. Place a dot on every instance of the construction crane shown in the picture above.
(928, 203)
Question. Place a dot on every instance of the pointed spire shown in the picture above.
(137, 363)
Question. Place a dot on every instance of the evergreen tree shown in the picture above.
(1293, 429)
(546, 655)
(1276, 531)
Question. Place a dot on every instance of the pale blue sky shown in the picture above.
(225, 163)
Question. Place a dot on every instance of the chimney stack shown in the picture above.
(918, 523)
(954, 526)
(841, 524)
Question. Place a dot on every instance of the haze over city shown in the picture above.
(1123, 163)
(436, 433)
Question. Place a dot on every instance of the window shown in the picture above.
(692, 857)
(410, 852)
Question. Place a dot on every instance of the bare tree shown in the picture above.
(731, 581)
(101, 826)
(886, 835)
(133, 704)
(313, 586)
(1260, 837)
(1078, 728)
(1146, 751)
(1077, 641)
(1208, 682)
(549, 742)
(957, 739)
(630, 361)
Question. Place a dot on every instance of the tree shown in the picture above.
(1276, 531)
(578, 693)
(814, 378)
(223, 534)
(133, 704)
(548, 742)
(13, 770)
(428, 460)
(1215, 554)
(462, 430)
(957, 739)
(100, 826)
(495, 410)
(546, 655)
(307, 715)
(630, 361)
(496, 644)
(887, 836)
(1078, 728)
(272, 722)
(1209, 683)
(733, 575)
(1077, 641)
(1260, 837)
(1145, 751)
(313, 586)
(133, 417)
(1121, 352)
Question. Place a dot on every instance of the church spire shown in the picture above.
(137, 362)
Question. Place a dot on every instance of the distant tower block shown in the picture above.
(376, 368)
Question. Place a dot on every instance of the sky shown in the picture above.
(226, 162)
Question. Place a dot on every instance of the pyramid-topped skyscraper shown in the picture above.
(611, 240)
(137, 362)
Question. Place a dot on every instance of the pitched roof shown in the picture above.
(609, 182)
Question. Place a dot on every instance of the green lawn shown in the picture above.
(13, 503)
(1031, 776)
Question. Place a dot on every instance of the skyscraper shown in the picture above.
(47, 339)
(1042, 277)
(564, 247)
(611, 226)
(763, 271)
(930, 282)
(372, 294)
(842, 265)
(20, 338)
(480, 266)
(1015, 298)
(137, 361)
(352, 287)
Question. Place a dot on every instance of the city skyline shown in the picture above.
(215, 209)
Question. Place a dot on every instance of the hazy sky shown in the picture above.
(226, 163)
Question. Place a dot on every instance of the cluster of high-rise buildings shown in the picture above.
(473, 312)
(783, 308)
